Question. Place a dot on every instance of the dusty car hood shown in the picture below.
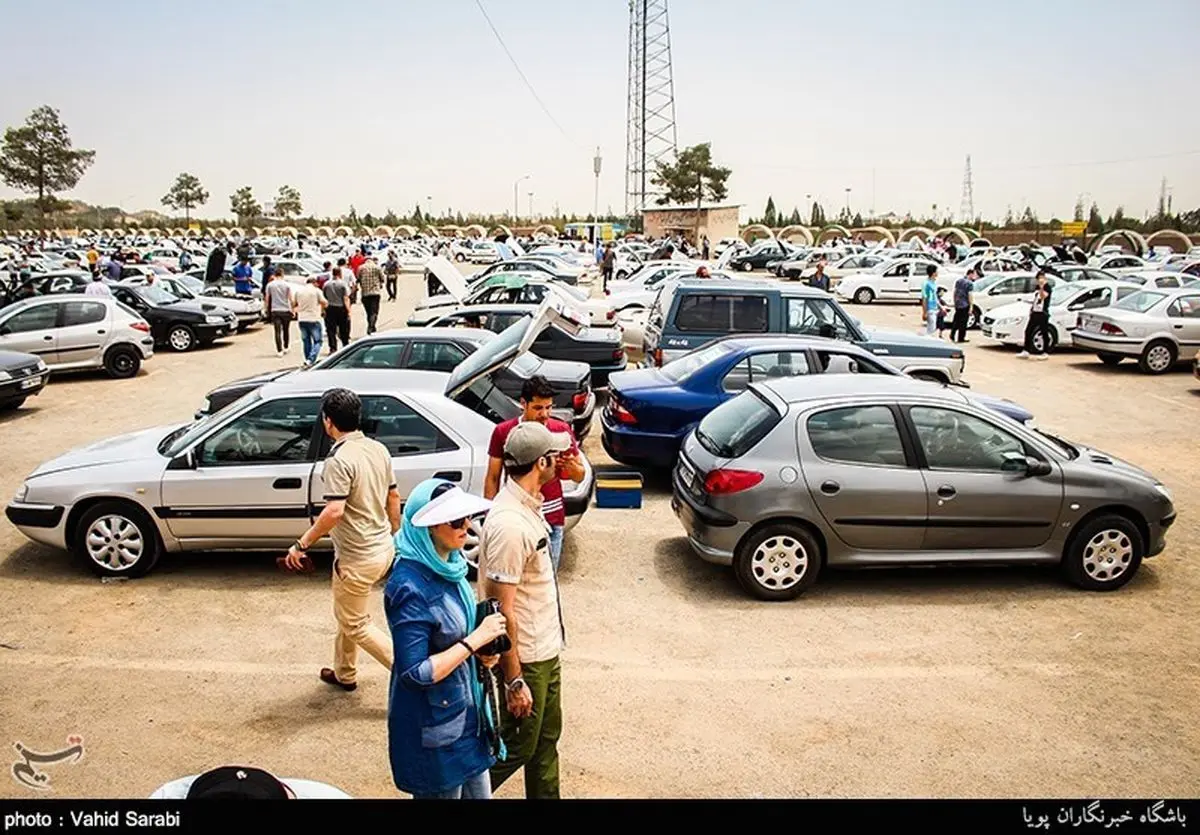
(129, 448)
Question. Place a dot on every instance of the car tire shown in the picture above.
(975, 317)
(1103, 554)
(1158, 358)
(137, 547)
(778, 562)
(460, 258)
(181, 338)
(747, 266)
(864, 295)
(1051, 340)
(122, 362)
(1111, 360)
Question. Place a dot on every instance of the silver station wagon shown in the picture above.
(842, 470)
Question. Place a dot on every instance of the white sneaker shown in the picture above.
(1041, 356)
(279, 353)
(1024, 355)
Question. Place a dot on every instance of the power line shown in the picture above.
(517, 67)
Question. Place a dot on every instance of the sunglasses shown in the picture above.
(459, 524)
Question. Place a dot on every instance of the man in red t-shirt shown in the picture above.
(357, 260)
(537, 399)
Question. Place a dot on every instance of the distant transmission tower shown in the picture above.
(650, 116)
(966, 210)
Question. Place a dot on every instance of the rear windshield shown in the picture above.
(689, 364)
(736, 426)
(1140, 302)
(721, 313)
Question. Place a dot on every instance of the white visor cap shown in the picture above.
(452, 505)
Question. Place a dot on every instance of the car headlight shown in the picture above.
(1011, 320)
(22, 492)
(4, 375)
(41, 366)
(215, 320)
(1165, 492)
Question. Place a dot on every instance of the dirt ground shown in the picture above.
(896, 683)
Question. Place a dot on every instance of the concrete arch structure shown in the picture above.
(86, 233)
(1134, 239)
(500, 230)
(404, 231)
(755, 231)
(364, 232)
(235, 232)
(963, 237)
(831, 229)
(454, 229)
(288, 232)
(880, 232)
(175, 233)
(979, 240)
(343, 232)
(548, 228)
(789, 232)
(153, 232)
(915, 230)
(431, 231)
(1173, 234)
(191, 233)
(475, 231)
(324, 232)
(384, 231)
(256, 231)
(220, 233)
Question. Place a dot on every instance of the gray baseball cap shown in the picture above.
(529, 440)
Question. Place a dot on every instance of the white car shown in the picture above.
(1120, 264)
(1157, 327)
(639, 291)
(1162, 279)
(1006, 323)
(899, 279)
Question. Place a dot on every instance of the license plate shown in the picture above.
(986, 331)
(686, 474)
(31, 382)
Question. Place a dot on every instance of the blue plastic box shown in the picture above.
(619, 490)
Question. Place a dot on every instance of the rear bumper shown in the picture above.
(601, 373)
(1107, 344)
(637, 449)
(712, 534)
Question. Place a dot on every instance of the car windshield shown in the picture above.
(1067, 448)
(183, 437)
(191, 282)
(157, 295)
(736, 426)
(689, 364)
(986, 282)
(1140, 302)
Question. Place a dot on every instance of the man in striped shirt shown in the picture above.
(370, 286)
(537, 400)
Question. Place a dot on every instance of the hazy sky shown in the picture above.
(379, 104)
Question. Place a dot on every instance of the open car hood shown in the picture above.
(448, 274)
(513, 341)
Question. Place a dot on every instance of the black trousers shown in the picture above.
(1038, 323)
(371, 306)
(337, 324)
(959, 325)
(391, 287)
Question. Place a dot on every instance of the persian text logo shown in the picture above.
(26, 772)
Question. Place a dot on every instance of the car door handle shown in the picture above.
(101, 331)
(947, 492)
(48, 338)
(1178, 327)
(830, 488)
(449, 475)
(287, 484)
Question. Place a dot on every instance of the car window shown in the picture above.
(957, 441)
(774, 365)
(721, 313)
(434, 356)
(400, 428)
(1185, 307)
(816, 317)
(40, 318)
(857, 435)
(278, 431)
(1141, 301)
(83, 313)
(836, 362)
(375, 355)
(1166, 281)
(736, 426)
(1097, 297)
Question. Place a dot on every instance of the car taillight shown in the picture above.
(612, 314)
(140, 326)
(724, 482)
(580, 400)
(618, 353)
(622, 414)
(1110, 328)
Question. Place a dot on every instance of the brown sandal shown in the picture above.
(328, 677)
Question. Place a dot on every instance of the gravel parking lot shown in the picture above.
(959, 682)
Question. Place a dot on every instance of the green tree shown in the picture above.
(287, 202)
(794, 219)
(818, 216)
(1008, 218)
(1117, 219)
(692, 172)
(418, 219)
(1095, 221)
(38, 158)
(368, 220)
(186, 194)
(769, 216)
(1079, 209)
(858, 220)
(390, 218)
(244, 206)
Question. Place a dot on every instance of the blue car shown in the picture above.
(651, 410)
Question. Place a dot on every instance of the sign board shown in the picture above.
(1074, 229)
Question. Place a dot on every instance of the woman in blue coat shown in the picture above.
(438, 727)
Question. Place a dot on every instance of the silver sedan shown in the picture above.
(1157, 327)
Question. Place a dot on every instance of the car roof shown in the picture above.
(748, 284)
(825, 386)
(370, 381)
(792, 343)
(476, 309)
(479, 336)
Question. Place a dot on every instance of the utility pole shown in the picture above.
(596, 171)
(699, 197)
(531, 207)
(516, 208)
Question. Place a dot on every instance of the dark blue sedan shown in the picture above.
(651, 410)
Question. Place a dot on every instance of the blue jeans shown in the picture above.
(478, 787)
(556, 540)
(931, 317)
(310, 336)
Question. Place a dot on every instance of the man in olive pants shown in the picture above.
(515, 567)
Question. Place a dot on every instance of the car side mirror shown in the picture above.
(183, 461)
(1017, 462)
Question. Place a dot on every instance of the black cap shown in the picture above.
(237, 782)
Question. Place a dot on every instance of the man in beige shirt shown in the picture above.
(362, 515)
(515, 568)
(308, 304)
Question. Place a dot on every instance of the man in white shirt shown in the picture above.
(308, 303)
(97, 287)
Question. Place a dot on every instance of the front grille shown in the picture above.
(26, 371)
(988, 320)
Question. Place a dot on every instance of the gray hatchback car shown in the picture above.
(842, 470)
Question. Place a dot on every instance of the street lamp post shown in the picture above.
(531, 207)
(516, 208)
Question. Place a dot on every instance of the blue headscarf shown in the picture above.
(416, 543)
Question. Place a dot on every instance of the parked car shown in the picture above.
(650, 410)
(53, 284)
(795, 475)
(1007, 322)
(600, 348)
(180, 324)
(1157, 327)
(760, 254)
(247, 311)
(567, 275)
(440, 349)
(688, 314)
(250, 476)
(78, 332)
(21, 376)
(805, 268)
(898, 279)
